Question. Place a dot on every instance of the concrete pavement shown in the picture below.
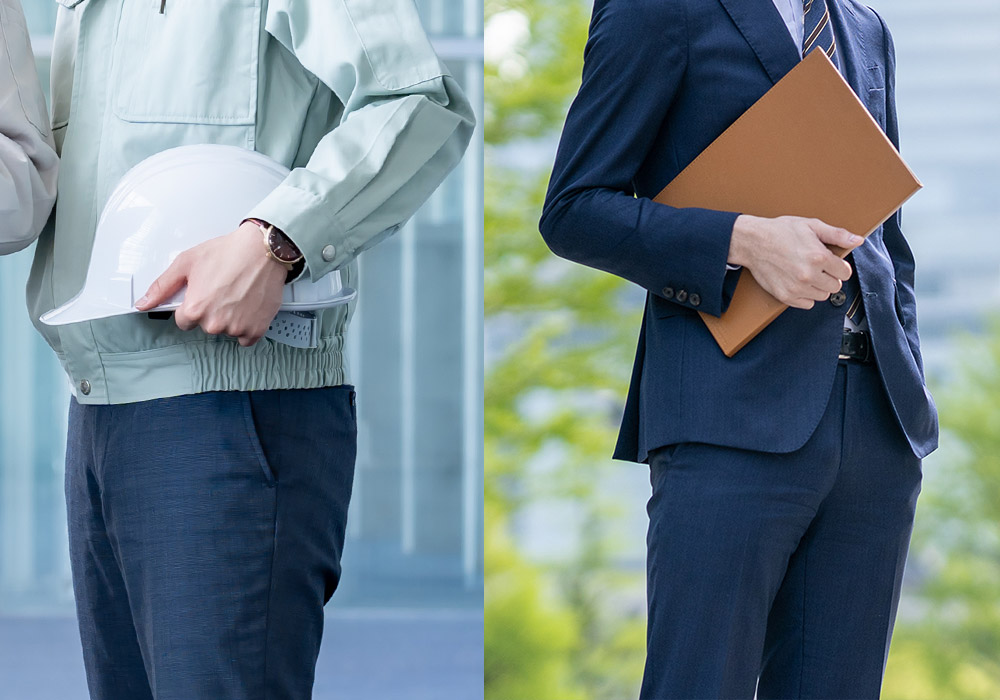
(367, 654)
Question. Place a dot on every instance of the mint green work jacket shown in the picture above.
(348, 94)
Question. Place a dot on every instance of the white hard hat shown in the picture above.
(167, 204)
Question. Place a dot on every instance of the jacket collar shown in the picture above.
(761, 25)
(763, 28)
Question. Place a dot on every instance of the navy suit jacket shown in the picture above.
(661, 80)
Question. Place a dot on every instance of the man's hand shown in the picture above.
(789, 258)
(233, 288)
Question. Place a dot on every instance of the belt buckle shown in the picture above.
(867, 354)
(845, 344)
(858, 346)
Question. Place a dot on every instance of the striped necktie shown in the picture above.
(855, 319)
(818, 30)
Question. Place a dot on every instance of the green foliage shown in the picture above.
(526, 94)
(922, 667)
(528, 635)
(552, 394)
(953, 650)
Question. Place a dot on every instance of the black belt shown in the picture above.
(857, 346)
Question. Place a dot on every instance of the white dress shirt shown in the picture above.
(28, 161)
(792, 12)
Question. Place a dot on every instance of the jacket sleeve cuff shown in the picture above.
(303, 217)
(693, 270)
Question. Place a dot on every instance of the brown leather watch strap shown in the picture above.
(296, 271)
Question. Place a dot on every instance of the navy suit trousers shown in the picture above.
(781, 567)
(205, 537)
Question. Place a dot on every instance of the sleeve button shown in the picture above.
(668, 292)
(682, 296)
(329, 253)
(85, 387)
(695, 300)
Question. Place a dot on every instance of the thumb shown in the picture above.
(831, 235)
(166, 285)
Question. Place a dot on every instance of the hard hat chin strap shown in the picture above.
(296, 328)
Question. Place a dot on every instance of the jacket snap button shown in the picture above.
(682, 296)
(329, 253)
(85, 387)
(668, 292)
(838, 298)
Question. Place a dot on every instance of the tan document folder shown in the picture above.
(806, 148)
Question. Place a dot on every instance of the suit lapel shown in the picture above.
(762, 26)
(855, 61)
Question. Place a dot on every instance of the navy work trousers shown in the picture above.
(782, 567)
(205, 537)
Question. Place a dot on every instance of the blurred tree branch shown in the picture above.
(560, 340)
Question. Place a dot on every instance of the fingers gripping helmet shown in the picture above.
(167, 204)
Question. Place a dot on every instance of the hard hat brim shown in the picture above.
(79, 309)
(171, 202)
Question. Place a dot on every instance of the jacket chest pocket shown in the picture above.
(876, 94)
(194, 63)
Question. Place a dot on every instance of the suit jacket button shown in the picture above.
(838, 298)
(695, 300)
(682, 296)
(668, 292)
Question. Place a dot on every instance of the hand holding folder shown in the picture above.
(771, 162)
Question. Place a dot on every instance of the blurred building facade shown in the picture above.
(948, 94)
(415, 531)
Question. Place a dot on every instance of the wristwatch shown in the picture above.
(281, 249)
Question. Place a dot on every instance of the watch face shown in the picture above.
(282, 248)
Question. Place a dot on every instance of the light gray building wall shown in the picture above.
(948, 94)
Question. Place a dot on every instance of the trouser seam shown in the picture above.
(802, 631)
(270, 586)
